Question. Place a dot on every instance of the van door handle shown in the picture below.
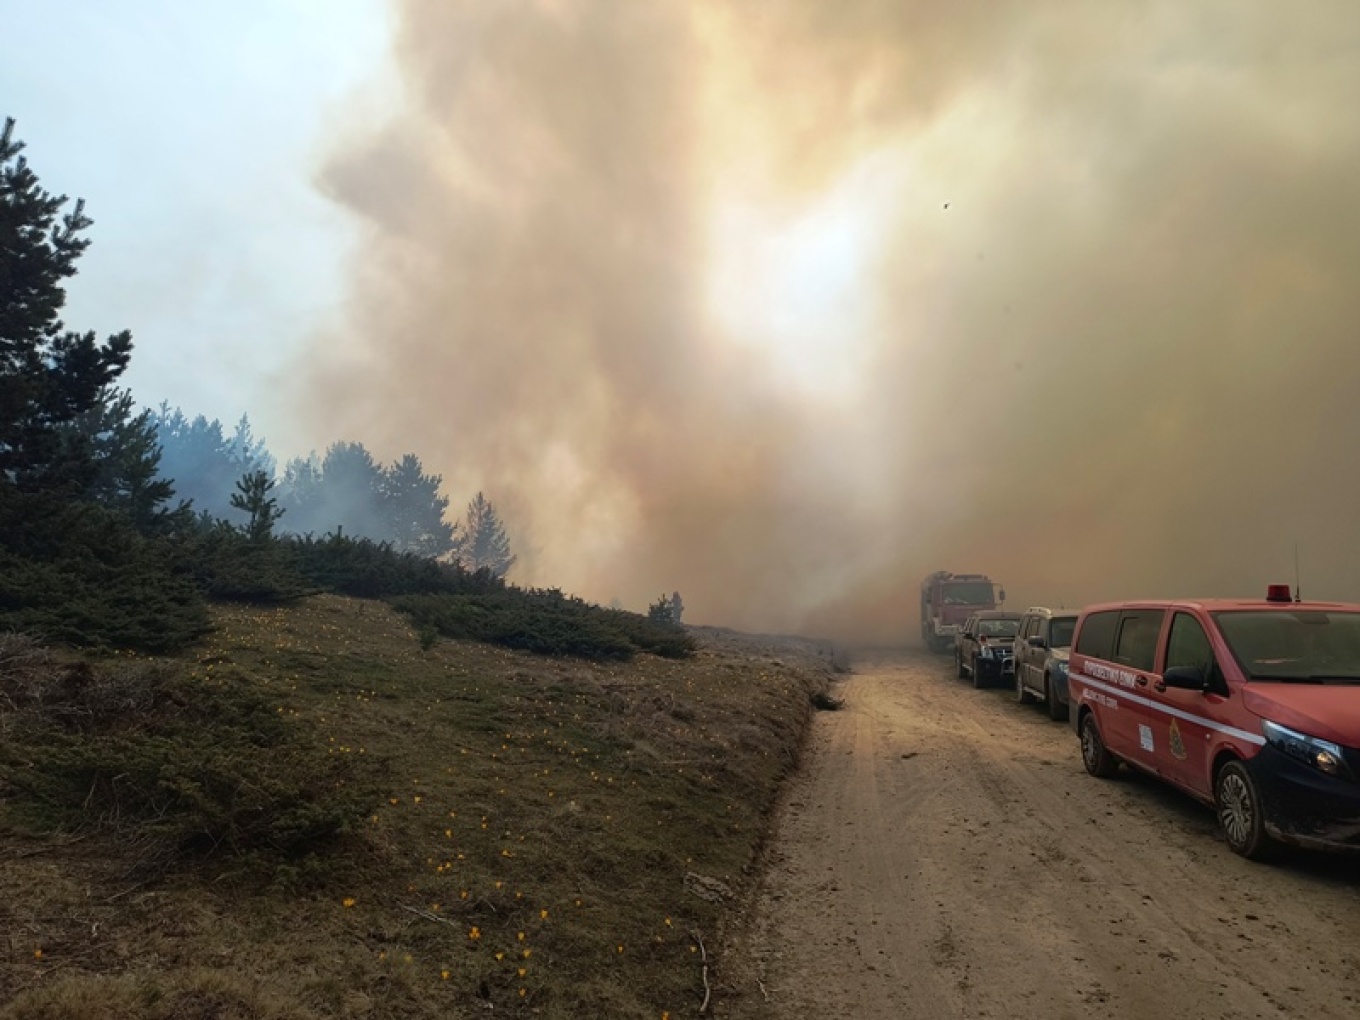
(1159, 687)
(1141, 681)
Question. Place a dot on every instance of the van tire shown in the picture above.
(1057, 711)
(1022, 695)
(1238, 805)
(1095, 755)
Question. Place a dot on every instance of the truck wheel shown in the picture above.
(978, 682)
(958, 664)
(1057, 711)
(1022, 696)
(1239, 813)
(1094, 755)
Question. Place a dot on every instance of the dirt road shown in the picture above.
(943, 854)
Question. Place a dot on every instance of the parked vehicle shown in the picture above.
(1250, 706)
(984, 647)
(947, 600)
(1041, 650)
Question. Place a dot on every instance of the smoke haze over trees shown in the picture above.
(346, 490)
(482, 543)
(1055, 291)
(92, 555)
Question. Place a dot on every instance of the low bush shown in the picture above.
(78, 574)
(546, 622)
(190, 765)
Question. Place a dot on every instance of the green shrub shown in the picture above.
(188, 766)
(78, 574)
(546, 622)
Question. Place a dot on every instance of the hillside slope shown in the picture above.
(466, 826)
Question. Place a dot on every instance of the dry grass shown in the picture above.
(550, 835)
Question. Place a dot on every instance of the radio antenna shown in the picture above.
(1297, 596)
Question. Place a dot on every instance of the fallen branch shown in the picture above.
(703, 956)
(429, 916)
(761, 986)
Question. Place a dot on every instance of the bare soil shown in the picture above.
(942, 853)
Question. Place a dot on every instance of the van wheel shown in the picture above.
(1022, 696)
(1057, 711)
(1239, 813)
(1094, 755)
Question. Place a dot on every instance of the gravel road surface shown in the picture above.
(942, 853)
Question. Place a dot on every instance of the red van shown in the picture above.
(1251, 706)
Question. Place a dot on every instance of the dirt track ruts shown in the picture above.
(942, 853)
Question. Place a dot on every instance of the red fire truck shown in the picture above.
(947, 600)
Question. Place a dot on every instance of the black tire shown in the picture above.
(1022, 696)
(1057, 710)
(978, 682)
(1094, 755)
(1238, 806)
(958, 664)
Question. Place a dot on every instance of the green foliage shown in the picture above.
(545, 622)
(415, 510)
(194, 764)
(78, 574)
(126, 454)
(367, 569)
(231, 565)
(252, 498)
(48, 375)
(660, 611)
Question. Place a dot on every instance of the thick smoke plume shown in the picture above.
(784, 304)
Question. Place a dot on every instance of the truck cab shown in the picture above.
(948, 600)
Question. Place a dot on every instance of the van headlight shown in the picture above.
(1323, 755)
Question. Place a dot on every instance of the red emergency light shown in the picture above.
(1278, 593)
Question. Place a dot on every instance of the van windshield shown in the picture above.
(1294, 646)
(968, 593)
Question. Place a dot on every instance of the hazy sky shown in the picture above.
(194, 132)
(780, 303)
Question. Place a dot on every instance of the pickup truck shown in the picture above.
(984, 649)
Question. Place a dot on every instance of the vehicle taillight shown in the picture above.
(1278, 593)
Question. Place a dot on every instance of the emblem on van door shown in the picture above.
(1177, 744)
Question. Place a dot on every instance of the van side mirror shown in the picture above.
(1186, 678)
(1001, 595)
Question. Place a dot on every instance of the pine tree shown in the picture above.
(253, 499)
(127, 458)
(203, 462)
(481, 542)
(415, 509)
(48, 375)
